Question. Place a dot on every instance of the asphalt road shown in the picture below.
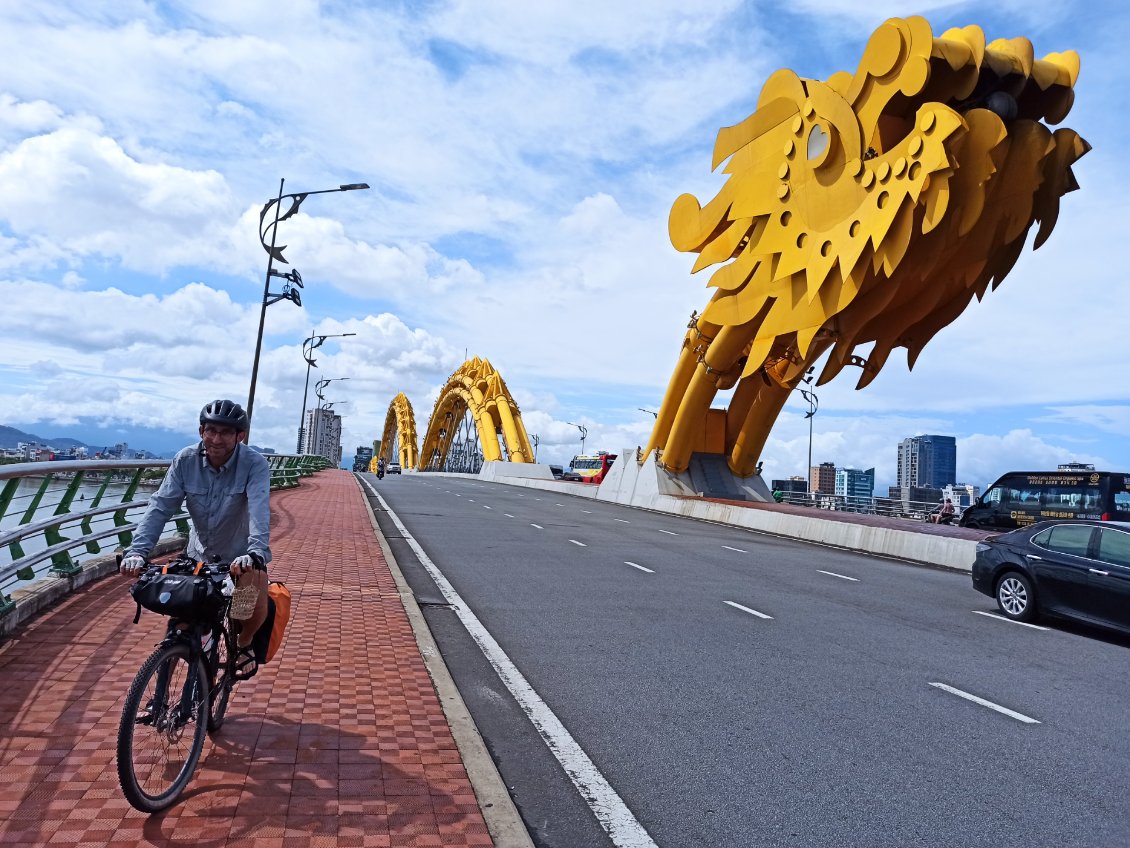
(746, 690)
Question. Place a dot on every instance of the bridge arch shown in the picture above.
(476, 391)
(398, 441)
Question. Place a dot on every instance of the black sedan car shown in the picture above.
(1074, 569)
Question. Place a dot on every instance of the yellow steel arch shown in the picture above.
(477, 387)
(400, 430)
(867, 209)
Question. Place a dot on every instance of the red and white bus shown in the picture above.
(590, 469)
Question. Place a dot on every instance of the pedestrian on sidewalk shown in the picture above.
(227, 487)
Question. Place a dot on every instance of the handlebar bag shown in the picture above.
(195, 597)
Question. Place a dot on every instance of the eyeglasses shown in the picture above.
(221, 432)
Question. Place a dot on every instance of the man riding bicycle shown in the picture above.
(227, 488)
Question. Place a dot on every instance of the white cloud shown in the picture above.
(523, 162)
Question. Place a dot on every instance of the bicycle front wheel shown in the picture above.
(164, 722)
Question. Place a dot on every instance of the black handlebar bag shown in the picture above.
(193, 597)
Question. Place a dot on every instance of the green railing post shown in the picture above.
(61, 563)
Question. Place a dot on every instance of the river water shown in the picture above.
(84, 500)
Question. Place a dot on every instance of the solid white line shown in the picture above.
(622, 827)
(737, 550)
(537, 526)
(984, 703)
(640, 567)
(750, 611)
(622, 520)
(841, 576)
(575, 542)
(669, 532)
(508, 515)
(1009, 620)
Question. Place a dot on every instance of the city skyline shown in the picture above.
(139, 142)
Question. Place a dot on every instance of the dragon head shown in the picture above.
(870, 208)
(874, 206)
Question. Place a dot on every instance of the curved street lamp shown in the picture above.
(584, 433)
(308, 347)
(293, 280)
(813, 404)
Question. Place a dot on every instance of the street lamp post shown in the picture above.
(308, 347)
(321, 384)
(584, 432)
(293, 278)
(813, 404)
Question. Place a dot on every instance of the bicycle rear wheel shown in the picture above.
(162, 730)
(223, 678)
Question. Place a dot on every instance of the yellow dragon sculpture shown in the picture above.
(870, 208)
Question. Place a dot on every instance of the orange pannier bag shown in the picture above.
(269, 636)
(280, 598)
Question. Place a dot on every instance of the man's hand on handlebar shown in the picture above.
(246, 563)
(132, 564)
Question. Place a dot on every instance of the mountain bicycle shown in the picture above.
(181, 692)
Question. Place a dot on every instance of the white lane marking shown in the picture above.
(487, 507)
(575, 542)
(471, 500)
(1003, 710)
(537, 499)
(1008, 620)
(587, 511)
(750, 611)
(622, 827)
(669, 532)
(841, 576)
(640, 567)
(736, 550)
(508, 515)
(559, 504)
(537, 526)
(622, 520)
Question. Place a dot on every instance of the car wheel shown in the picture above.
(1015, 597)
(972, 525)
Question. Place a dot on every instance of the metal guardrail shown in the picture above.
(888, 507)
(92, 501)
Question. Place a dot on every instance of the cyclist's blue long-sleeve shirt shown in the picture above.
(229, 505)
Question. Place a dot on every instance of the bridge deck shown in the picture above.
(341, 741)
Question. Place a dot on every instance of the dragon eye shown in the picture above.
(817, 142)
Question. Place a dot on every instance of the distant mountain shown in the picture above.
(11, 436)
(151, 442)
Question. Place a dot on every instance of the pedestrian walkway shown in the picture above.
(340, 741)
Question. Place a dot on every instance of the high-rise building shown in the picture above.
(323, 434)
(822, 478)
(927, 462)
(856, 487)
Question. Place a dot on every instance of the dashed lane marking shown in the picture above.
(750, 611)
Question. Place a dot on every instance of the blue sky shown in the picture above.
(523, 159)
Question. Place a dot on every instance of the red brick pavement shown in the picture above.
(340, 741)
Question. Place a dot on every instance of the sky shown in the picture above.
(523, 159)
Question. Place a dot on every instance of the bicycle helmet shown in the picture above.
(226, 413)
